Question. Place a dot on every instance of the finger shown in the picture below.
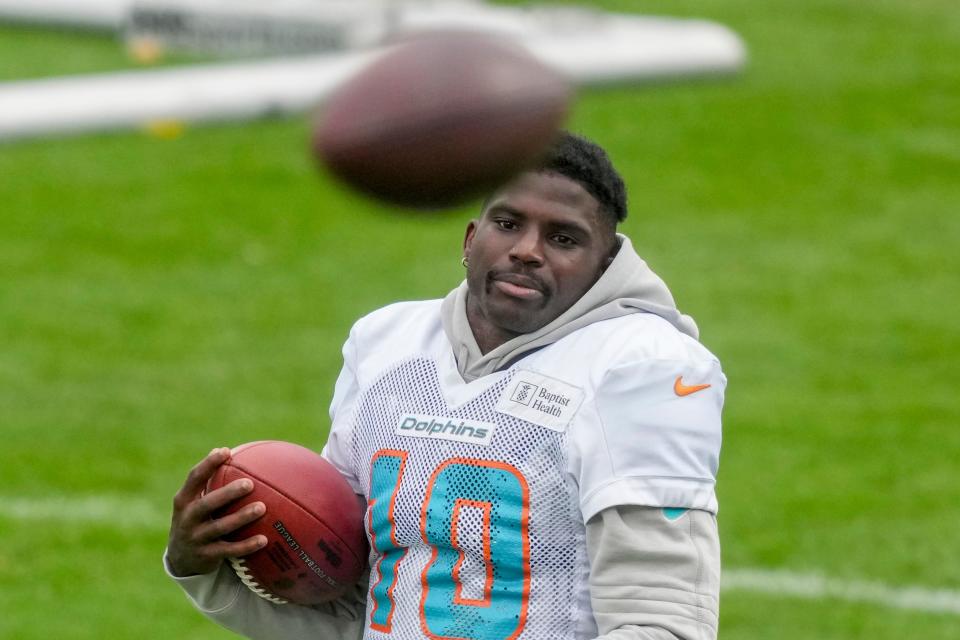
(202, 472)
(220, 527)
(208, 504)
(223, 549)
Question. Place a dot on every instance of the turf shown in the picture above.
(161, 297)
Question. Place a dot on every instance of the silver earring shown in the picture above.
(463, 261)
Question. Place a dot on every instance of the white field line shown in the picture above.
(102, 510)
(811, 586)
(132, 513)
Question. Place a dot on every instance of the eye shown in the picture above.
(563, 239)
(505, 224)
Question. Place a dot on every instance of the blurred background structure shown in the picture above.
(294, 53)
(164, 293)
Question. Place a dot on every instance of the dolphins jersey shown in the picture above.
(478, 492)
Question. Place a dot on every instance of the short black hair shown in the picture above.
(586, 163)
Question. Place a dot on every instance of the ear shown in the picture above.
(468, 237)
(614, 250)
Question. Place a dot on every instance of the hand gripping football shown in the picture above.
(316, 546)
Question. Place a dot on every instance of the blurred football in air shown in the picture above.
(442, 118)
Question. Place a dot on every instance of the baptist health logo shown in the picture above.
(441, 428)
(524, 392)
(540, 399)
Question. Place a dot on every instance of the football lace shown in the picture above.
(240, 568)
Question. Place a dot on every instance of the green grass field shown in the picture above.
(161, 297)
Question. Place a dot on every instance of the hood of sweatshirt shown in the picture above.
(627, 286)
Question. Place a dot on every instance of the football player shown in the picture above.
(537, 451)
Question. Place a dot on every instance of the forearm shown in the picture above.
(221, 597)
(652, 578)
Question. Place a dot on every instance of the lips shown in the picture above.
(517, 285)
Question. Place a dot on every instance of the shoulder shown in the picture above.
(639, 340)
(396, 332)
(645, 360)
(398, 319)
(644, 336)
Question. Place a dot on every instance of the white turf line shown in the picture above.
(812, 586)
(126, 513)
(114, 511)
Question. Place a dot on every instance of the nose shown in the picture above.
(528, 248)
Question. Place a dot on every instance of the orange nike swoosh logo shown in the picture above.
(683, 390)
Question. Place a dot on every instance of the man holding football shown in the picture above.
(576, 498)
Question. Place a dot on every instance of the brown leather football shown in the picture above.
(441, 118)
(316, 548)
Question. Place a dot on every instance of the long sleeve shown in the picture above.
(654, 573)
(221, 597)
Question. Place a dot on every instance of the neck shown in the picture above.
(488, 336)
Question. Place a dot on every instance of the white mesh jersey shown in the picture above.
(478, 492)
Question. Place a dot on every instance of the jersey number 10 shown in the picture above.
(493, 495)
